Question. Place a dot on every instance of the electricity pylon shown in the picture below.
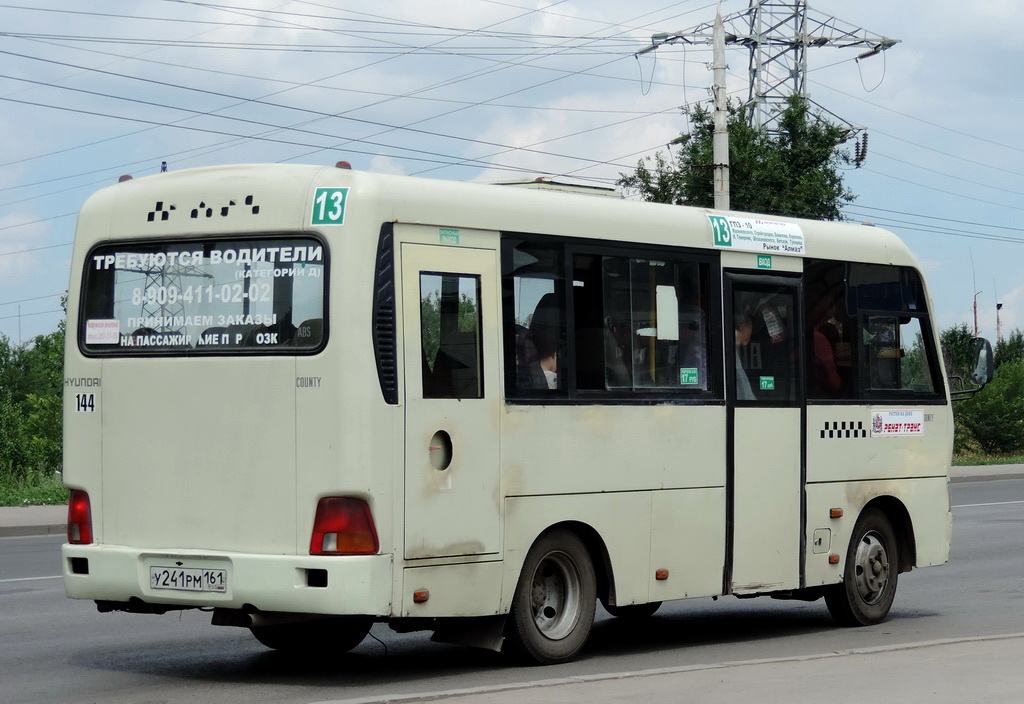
(777, 34)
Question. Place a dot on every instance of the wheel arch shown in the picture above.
(902, 524)
(597, 550)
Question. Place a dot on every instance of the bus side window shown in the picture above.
(895, 354)
(450, 329)
(895, 343)
(535, 336)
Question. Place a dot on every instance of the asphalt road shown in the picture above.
(56, 650)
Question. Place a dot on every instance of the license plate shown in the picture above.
(188, 579)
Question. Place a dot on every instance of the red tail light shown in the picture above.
(79, 518)
(343, 526)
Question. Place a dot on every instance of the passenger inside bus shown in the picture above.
(825, 379)
(743, 324)
(543, 341)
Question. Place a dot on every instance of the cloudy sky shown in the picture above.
(493, 89)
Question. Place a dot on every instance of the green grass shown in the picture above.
(35, 489)
(972, 458)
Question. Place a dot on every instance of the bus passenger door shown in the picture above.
(765, 477)
(452, 340)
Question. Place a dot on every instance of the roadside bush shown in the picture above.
(33, 489)
(14, 456)
(31, 392)
(995, 416)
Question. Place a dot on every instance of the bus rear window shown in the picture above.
(204, 297)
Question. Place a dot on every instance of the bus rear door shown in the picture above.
(452, 407)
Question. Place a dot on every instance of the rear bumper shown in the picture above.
(355, 585)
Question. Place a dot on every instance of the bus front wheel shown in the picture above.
(338, 634)
(554, 602)
(870, 574)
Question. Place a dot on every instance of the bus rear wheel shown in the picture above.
(866, 593)
(328, 635)
(554, 602)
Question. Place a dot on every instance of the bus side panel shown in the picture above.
(687, 540)
(468, 589)
(926, 502)
(578, 449)
(841, 445)
(622, 520)
(680, 531)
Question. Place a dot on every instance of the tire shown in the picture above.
(870, 574)
(327, 635)
(633, 611)
(554, 602)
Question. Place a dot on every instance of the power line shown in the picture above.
(422, 29)
(29, 315)
(945, 175)
(935, 217)
(505, 95)
(291, 47)
(464, 104)
(28, 300)
(941, 190)
(922, 121)
(36, 222)
(219, 94)
(478, 103)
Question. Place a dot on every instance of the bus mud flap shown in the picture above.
(478, 632)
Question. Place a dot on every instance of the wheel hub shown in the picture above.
(872, 568)
(555, 596)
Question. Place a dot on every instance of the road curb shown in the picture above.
(38, 531)
(984, 478)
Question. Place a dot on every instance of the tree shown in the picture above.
(794, 172)
(995, 416)
(956, 351)
(31, 392)
(1010, 349)
(431, 323)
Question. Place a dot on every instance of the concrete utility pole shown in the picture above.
(720, 139)
(778, 34)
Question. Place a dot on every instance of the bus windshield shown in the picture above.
(204, 297)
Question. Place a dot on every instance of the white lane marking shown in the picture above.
(582, 679)
(29, 579)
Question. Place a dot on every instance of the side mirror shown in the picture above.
(982, 361)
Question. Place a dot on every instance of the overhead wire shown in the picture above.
(216, 114)
(476, 104)
(923, 121)
(471, 104)
(435, 30)
(542, 9)
(552, 81)
(29, 300)
(239, 136)
(460, 78)
(608, 25)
